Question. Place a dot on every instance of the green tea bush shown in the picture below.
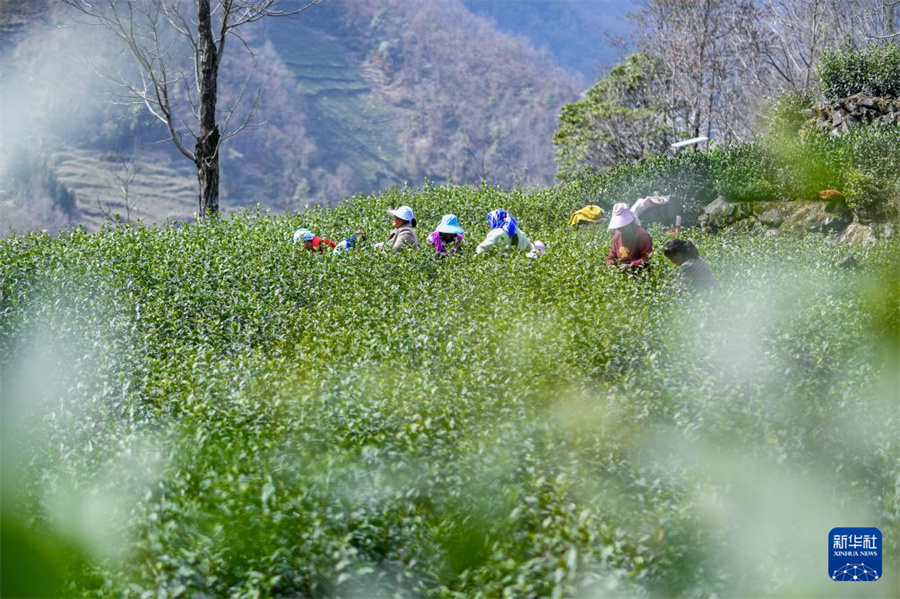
(685, 177)
(864, 164)
(746, 173)
(780, 167)
(204, 410)
(784, 114)
(874, 70)
(787, 162)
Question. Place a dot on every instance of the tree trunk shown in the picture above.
(206, 154)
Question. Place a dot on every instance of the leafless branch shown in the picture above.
(226, 134)
(156, 34)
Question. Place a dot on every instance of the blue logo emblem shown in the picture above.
(854, 554)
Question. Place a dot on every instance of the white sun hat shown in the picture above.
(403, 213)
(643, 203)
(622, 216)
(303, 235)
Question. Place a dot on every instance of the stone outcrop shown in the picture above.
(860, 235)
(839, 115)
(775, 217)
(798, 218)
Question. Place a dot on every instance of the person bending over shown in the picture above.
(311, 242)
(505, 234)
(447, 238)
(694, 272)
(350, 243)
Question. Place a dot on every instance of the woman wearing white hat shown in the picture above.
(403, 221)
(448, 237)
(631, 245)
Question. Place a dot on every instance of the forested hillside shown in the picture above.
(356, 96)
(577, 33)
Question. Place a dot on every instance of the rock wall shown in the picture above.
(839, 115)
(776, 218)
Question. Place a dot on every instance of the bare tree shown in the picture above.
(178, 46)
(691, 39)
(785, 38)
(123, 177)
(890, 28)
(725, 56)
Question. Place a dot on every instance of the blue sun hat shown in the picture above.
(450, 224)
(303, 235)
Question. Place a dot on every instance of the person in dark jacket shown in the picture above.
(694, 272)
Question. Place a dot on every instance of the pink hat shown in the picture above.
(622, 216)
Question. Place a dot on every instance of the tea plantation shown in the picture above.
(204, 411)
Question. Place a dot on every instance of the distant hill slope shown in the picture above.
(350, 123)
(358, 95)
(574, 31)
(16, 16)
(473, 103)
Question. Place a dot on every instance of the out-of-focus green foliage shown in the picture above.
(207, 411)
(784, 115)
(873, 70)
(40, 563)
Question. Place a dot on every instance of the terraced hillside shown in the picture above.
(154, 187)
(347, 119)
(356, 96)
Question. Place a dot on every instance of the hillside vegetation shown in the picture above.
(357, 96)
(576, 32)
(840, 142)
(203, 410)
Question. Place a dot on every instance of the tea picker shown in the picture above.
(447, 238)
(505, 234)
(312, 242)
(403, 221)
(631, 245)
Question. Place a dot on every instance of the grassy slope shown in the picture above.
(218, 413)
